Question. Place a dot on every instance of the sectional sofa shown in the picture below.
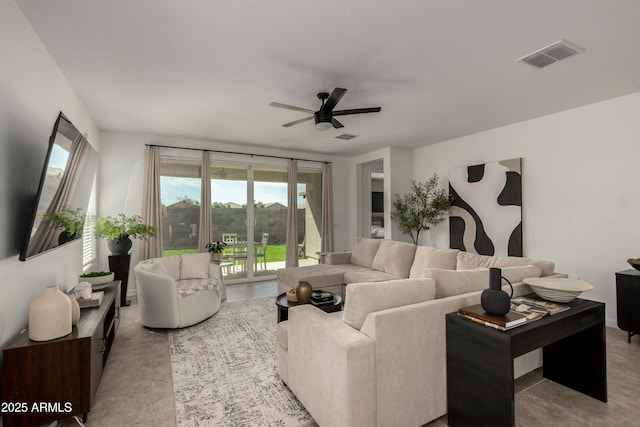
(381, 361)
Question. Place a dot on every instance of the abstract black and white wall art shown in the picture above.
(486, 215)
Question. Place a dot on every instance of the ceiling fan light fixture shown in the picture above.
(323, 120)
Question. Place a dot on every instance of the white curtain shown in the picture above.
(151, 208)
(204, 235)
(46, 235)
(292, 215)
(327, 209)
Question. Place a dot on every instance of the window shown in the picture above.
(88, 239)
(180, 185)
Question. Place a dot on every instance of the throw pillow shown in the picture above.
(394, 258)
(172, 264)
(364, 251)
(154, 267)
(364, 298)
(429, 257)
(195, 266)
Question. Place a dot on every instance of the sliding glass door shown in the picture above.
(249, 208)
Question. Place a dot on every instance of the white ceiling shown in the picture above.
(440, 69)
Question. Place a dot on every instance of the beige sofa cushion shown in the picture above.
(195, 266)
(456, 282)
(364, 298)
(430, 257)
(368, 276)
(172, 264)
(470, 261)
(394, 258)
(154, 267)
(364, 251)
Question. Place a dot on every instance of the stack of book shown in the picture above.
(321, 298)
(477, 314)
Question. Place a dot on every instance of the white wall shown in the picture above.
(579, 181)
(121, 181)
(32, 92)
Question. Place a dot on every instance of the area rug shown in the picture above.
(224, 370)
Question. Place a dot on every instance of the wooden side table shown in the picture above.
(628, 301)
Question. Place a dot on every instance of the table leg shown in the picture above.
(579, 362)
(480, 388)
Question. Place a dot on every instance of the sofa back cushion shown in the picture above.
(172, 264)
(394, 258)
(364, 251)
(469, 261)
(430, 257)
(195, 266)
(364, 298)
(456, 282)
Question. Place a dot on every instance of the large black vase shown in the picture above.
(120, 246)
(65, 237)
(494, 300)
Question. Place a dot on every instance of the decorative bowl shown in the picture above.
(634, 262)
(97, 280)
(557, 289)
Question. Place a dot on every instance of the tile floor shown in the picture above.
(136, 387)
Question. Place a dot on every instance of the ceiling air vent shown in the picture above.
(553, 53)
(346, 136)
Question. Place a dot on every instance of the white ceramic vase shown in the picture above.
(50, 315)
(75, 309)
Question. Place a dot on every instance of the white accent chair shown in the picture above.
(176, 292)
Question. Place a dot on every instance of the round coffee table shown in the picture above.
(284, 305)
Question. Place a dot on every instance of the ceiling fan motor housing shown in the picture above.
(323, 119)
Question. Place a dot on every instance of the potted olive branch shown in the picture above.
(119, 230)
(70, 221)
(426, 205)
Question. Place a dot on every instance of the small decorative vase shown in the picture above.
(75, 309)
(120, 246)
(303, 292)
(49, 315)
(215, 256)
(494, 300)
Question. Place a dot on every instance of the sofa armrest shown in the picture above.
(215, 272)
(337, 258)
(331, 365)
(157, 298)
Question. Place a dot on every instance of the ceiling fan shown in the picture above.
(324, 117)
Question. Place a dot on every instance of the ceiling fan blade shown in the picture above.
(291, 107)
(333, 99)
(357, 111)
(297, 121)
(336, 124)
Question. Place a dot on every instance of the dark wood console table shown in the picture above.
(480, 361)
(628, 301)
(60, 376)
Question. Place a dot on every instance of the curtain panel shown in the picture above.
(292, 217)
(151, 208)
(204, 235)
(327, 209)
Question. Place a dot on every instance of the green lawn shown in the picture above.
(274, 252)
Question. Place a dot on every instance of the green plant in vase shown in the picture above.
(216, 249)
(70, 221)
(119, 230)
(424, 206)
